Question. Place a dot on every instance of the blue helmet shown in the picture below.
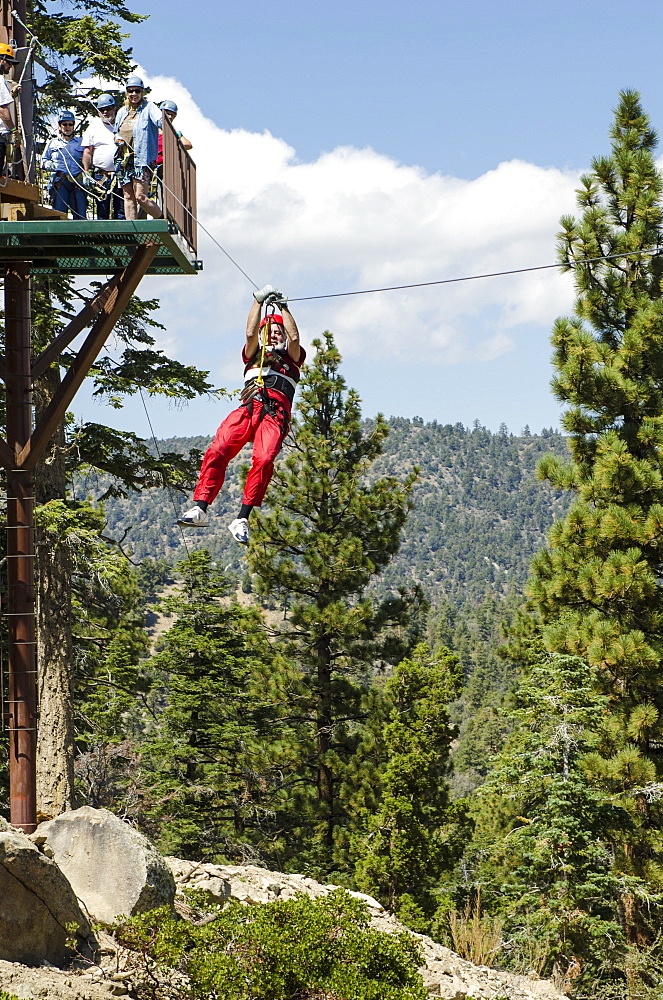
(66, 116)
(134, 81)
(168, 106)
(105, 101)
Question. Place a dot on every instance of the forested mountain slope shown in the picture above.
(479, 512)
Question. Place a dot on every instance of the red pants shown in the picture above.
(247, 423)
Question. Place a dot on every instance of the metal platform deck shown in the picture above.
(91, 247)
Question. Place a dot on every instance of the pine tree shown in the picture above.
(403, 849)
(595, 591)
(208, 780)
(328, 534)
(545, 834)
(596, 585)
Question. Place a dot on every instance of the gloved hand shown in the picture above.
(276, 299)
(281, 301)
(264, 293)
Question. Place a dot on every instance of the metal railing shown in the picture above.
(179, 186)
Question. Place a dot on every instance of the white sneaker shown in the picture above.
(194, 518)
(239, 529)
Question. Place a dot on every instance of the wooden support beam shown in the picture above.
(104, 323)
(6, 455)
(13, 190)
(71, 331)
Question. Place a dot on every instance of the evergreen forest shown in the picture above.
(434, 675)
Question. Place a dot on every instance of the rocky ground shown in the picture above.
(53, 984)
(445, 974)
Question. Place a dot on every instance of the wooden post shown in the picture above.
(20, 554)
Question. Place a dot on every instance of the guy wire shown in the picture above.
(168, 486)
(193, 577)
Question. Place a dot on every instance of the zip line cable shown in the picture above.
(168, 486)
(216, 242)
(420, 284)
(476, 277)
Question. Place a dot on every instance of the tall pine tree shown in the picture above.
(596, 589)
(328, 534)
(597, 584)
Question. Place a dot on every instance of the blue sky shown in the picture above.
(365, 144)
(456, 87)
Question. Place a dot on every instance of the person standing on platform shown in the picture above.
(99, 158)
(169, 109)
(7, 126)
(64, 156)
(137, 135)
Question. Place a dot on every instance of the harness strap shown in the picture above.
(267, 405)
(252, 373)
(273, 380)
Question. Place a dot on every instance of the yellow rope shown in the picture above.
(266, 332)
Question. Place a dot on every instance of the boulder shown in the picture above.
(36, 903)
(445, 974)
(112, 868)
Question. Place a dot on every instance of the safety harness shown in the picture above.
(255, 380)
(257, 383)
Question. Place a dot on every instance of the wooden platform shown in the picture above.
(91, 247)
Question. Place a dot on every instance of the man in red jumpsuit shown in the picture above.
(263, 416)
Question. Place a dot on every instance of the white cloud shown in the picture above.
(355, 219)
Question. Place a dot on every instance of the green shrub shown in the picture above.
(299, 949)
